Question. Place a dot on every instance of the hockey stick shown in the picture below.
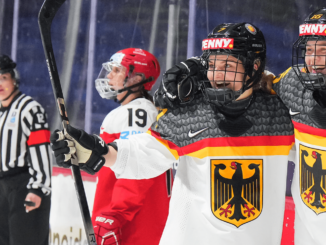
(45, 17)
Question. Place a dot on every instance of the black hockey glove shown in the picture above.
(88, 148)
(179, 84)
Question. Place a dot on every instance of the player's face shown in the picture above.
(225, 72)
(315, 56)
(6, 85)
(117, 77)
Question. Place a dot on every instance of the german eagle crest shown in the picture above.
(313, 178)
(236, 193)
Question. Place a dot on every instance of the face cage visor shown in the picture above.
(102, 85)
(226, 76)
(309, 61)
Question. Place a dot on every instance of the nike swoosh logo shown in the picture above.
(193, 134)
(293, 113)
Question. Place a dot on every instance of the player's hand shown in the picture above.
(74, 142)
(107, 230)
(31, 197)
(179, 84)
(62, 148)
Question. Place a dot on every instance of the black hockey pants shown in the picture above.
(16, 226)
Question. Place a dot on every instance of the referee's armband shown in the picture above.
(39, 137)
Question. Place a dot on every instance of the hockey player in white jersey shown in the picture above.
(137, 209)
(232, 143)
(303, 90)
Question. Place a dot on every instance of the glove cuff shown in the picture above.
(100, 146)
(98, 164)
(114, 145)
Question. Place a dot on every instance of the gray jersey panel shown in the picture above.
(266, 116)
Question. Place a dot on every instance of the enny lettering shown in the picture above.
(218, 43)
(312, 29)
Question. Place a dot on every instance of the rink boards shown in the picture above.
(66, 225)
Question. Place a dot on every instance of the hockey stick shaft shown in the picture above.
(46, 15)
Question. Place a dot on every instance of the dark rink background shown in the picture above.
(86, 33)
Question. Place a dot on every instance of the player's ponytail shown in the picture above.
(147, 95)
(266, 82)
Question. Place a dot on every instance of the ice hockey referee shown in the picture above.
(25, 163)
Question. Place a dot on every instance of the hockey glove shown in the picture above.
(181, 81)
(107, 230)
(62, 148)
(88, 148)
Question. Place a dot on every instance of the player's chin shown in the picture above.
(3, 96)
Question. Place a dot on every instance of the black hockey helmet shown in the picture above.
(8, 66)
(245, 43)
(307, 62)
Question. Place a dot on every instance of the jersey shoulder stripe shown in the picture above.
(108, 138)
(279, 77)
(304, 128)
(249, 145)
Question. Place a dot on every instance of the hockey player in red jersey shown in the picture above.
(303, 90)
(136, 209)
(232, 142)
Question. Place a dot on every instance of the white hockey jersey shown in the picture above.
(143, 205)
(230, 183)
(309, 180)
(126, 120)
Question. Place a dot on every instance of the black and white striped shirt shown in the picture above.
(24, 138)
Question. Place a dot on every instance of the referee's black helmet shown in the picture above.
(7, 65)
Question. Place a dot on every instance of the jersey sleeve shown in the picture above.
(36, 129)
(292, 153)
(127, 195)
(142, 157)
(140, 162)
(110, 128)
(278, 81)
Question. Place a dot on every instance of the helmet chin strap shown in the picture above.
(130, 91)
(222, 95)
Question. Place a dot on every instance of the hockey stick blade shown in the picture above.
(45, 17)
